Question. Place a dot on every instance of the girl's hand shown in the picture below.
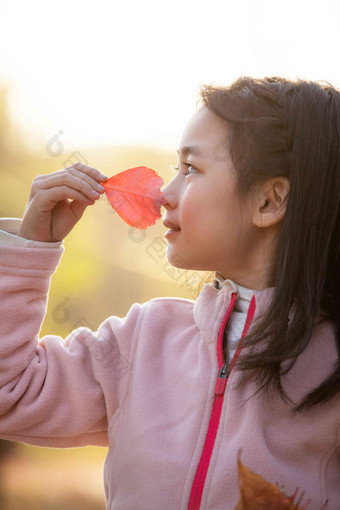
(49, 215)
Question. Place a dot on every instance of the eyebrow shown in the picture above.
(191, 149)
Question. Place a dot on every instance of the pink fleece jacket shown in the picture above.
(147, 386)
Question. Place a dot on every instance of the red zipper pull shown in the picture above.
(221, 381)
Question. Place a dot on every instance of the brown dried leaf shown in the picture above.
(258, 494)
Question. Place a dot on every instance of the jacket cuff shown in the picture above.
(23, 257)
(9, 227)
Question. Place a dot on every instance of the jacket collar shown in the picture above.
(213, 302)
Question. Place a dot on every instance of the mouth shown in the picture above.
(171, 226)
(172, 231)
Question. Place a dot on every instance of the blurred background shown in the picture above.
(113, 84)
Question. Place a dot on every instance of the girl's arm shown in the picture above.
(54, 392)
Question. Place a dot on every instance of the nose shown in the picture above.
(169, 196)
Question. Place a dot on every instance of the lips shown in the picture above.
(170, 225)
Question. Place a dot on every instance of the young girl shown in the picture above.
(178, 387)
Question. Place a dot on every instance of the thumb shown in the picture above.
(78, 208)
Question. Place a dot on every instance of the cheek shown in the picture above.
(191, 204)
(197, 215)
(200, 213)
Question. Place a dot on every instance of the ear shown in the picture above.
(271, 203)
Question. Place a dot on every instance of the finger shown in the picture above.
(51, 196)
(78, 208)
(80, 175)
(89, 170)
(67, 178)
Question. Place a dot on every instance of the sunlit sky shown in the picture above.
(129, 71)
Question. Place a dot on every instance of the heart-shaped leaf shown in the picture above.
(135, 195)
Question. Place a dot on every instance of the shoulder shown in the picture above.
(165, 316)
(168, 308)
(157, 311)
(171, 301)
(321, 352)
(316, 362)
(162, 324)
(323, 341)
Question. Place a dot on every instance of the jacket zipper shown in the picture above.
(221, 382)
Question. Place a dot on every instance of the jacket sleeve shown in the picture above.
(54, 391)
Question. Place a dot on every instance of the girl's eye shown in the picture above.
(187, 165)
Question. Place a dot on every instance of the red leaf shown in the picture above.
(135, 195)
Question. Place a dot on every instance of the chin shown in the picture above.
(179, 261)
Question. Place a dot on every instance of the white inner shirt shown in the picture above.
(238, 316)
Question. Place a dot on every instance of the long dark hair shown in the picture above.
(280, 127)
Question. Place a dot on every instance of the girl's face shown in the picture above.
(216, 233)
